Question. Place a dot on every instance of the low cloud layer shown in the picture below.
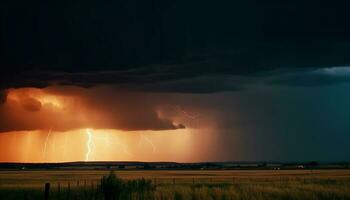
(315, 77)
(166, 79)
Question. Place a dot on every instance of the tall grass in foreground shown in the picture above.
(113, 188)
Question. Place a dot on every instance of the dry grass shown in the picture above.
(177, 185)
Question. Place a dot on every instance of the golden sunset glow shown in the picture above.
(97, 145)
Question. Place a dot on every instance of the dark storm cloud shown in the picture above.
(159, 78)
(202, 84)
(309, 78)
(132, 105)
(3, 96)
(171, 79)
(140, 43)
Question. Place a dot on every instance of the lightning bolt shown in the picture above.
(150, 142)
(65, 145)
(108, 143)
(89, 144)
(53, 146)
(46, 141)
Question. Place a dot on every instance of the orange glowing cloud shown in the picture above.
(72, 108)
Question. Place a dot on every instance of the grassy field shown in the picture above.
(177, 184)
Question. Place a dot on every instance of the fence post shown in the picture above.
(92, 190)
(96, 191)
(25, 195)
(85, 192)
(68, 192)
(59, 191)
(47, 191)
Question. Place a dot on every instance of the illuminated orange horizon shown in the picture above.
(98, 145)
(48, 133)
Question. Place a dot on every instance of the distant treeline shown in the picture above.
(177, 166)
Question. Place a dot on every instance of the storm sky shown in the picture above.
(245, 80)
